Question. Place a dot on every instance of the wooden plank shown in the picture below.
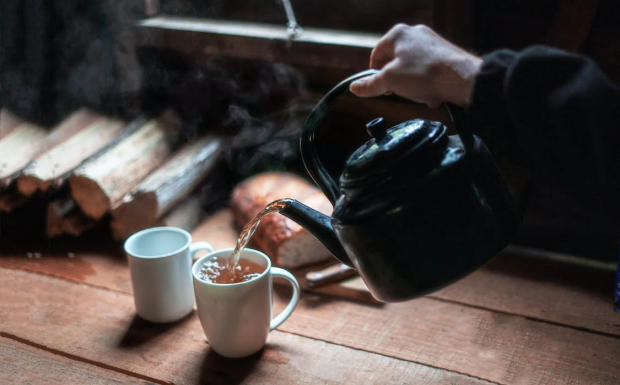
(497, 347)
(21, 363)
(99, 326)
(102, 269)
(204, 38)
(353, 15)
(554, 291)
(551, 291)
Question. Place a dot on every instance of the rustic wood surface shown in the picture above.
(203, 38)
(518, 320)
(98, 326)
(24, 362)
(353, 15)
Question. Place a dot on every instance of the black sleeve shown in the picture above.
(555, 113)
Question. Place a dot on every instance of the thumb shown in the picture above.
(373, 85)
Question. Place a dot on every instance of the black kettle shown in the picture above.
(415, 209)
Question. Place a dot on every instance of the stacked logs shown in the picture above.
(93, 167)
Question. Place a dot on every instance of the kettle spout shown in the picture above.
(317, 224)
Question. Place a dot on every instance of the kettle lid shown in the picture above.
(390, 147)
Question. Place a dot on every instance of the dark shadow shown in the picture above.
(591, 280)
(312, 300)
(141, 331)
(219, 370)
(94, 241)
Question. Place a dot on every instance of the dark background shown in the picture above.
(57, 56)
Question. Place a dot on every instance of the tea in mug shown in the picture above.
(218, 271)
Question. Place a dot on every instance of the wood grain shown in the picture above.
(553, 291)
(18, 148)
(550, 291)
(65, 217)
(107, 178)
(85, 133)
(99, 326)
(163, 188)
(21, 363)
(499, 347)
(8, 122)
(99, 269)
(354, 15)
(203, 39)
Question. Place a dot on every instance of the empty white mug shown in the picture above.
(237, 317)
(160, 262)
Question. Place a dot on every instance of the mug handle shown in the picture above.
(199, 246)
(284, 314)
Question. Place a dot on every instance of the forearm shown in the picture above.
(555, 113)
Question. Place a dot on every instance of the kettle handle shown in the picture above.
(307, 141)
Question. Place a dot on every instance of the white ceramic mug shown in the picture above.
(160, 262)
(237, 317)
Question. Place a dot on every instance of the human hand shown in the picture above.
(418, 64)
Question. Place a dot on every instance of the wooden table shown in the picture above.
(69, 318)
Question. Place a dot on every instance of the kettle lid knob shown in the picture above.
(377, 129)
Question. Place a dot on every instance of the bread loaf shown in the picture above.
(284, 241)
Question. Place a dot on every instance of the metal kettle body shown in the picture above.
(415, 209)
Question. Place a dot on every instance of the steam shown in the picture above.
(258, 108)
(59, 56)
(267, 141)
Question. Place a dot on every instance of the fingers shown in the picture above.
(383, 53)
(373, 85)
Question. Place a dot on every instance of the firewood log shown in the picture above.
(91, 132)
(8, 122)
(185, 215)
(10, 199)
(162, 189)
(107, 178)
(64, 217)
(17, 149)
